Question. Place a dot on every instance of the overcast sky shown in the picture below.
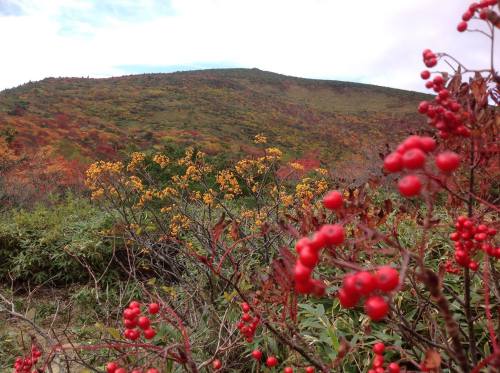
(368, 41)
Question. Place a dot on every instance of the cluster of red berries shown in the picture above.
(411, 154)
(444, 114)
(271, 361)
(310, 249)
(364, 283)
(480, 7)
(115, 368)
(378, 361)
(430, 60)
(24, 365)
(134, 322)
(469, 238)
(248, 323)
(449, 267)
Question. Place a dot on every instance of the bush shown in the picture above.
(34, 244)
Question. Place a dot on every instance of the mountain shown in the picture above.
(339, 124)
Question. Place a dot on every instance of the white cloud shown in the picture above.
(368, 41)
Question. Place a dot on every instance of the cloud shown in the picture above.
(365, 41)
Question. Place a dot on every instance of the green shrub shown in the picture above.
(34, 244)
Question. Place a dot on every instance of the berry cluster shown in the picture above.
(271, 361)
(450, 267)
(24, 365)
(430, 60)
(364, 283)
(378, 361)
(481, 7)
(469, 238)
(310, 249)
(248, 323)
(412, 154)
(134, 322)
(445, 114)
(115, 368)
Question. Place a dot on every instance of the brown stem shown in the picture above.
(431, 281)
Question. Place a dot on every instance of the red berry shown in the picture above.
(130, 324)
(301, 272)
(134, 304)
(412, 142)
(152, 370)
(121, 370)
(425, 74)
(136, 311)
(378, 362)
(318, 287)
(346, 299)
(364, 282)
(257, 354)
(410, 186)
(133, 334)
(413, 159)
(333, 200)
(349, 283)
(309, 257)
(304, 287)
(467, 16)
(310, 370)
(303, 242)
(216, 364)
(111, 367)
(143, 322)
(428, 144)
(376, 307)
(431, 62)
(438, 80)
(462, 26)
(318, 241)
(387, 278)
(288, 370)
(153, 308)
(393, 162)
(246, 317)
(473, 265)
(149, 333)
(333, 234)
(129, 313)
(271, 361)
(393, 368)
(429, 84)
(447, 161)
(379, 348)
(423, 107)
(245, 307)
(426, 52)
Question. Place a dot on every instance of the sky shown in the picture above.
(367, 41)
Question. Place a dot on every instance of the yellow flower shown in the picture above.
(297, 166)
(260, 139)
(136, 159)
(161, 160)
(208, 198)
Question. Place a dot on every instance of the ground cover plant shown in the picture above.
(266, 266)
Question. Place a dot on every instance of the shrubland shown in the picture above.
(263, 265)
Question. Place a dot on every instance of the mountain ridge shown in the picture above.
(339, 124)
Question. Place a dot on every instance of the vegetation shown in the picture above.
(191, 260)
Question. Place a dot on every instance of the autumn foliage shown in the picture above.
(266, 265)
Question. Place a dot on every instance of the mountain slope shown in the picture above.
(338, 123)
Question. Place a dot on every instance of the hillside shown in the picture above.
(338, 123)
